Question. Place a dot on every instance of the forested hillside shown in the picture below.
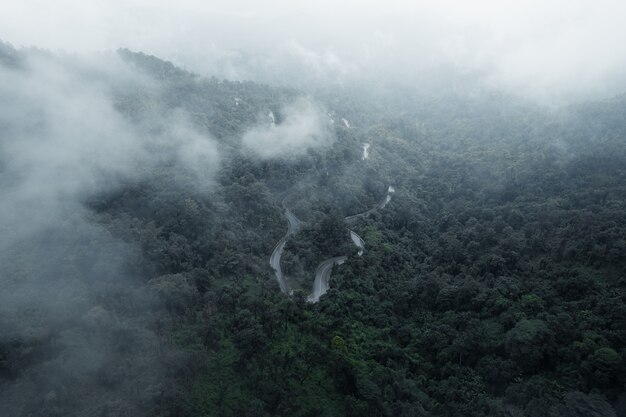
(493, 281)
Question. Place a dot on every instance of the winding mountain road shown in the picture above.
(292, 229)
(322, 276)
(322, 273)
(380, 205)
(358, 241)
(324, 269)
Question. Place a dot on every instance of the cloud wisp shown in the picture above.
(302, 126)
(534, 48)
(71, 292)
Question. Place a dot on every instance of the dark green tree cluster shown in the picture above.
(494, 282)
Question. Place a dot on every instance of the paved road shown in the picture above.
(294, 226)
(378, 206)
(322, 276)
(358, 241)
(322, 273)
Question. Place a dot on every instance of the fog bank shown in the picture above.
(302, 126)
(74, 301)
(543, 50)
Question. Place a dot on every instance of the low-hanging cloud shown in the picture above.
(63, 138)
(299, 127)
(536, 48)
(64, 276)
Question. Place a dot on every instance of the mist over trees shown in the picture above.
(141, 202)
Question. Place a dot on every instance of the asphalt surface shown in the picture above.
(324, 269)
(322, 276)
(294, 226)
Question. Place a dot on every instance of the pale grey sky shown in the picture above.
(549, 47)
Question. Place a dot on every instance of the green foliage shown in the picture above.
(493, 282)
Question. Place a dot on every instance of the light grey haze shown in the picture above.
(542, 49)
(62, 142)
(304, 126)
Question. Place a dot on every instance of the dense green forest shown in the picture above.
(493, 282)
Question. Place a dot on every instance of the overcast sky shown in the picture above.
(548, 47)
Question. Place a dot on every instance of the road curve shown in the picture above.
(322, 276)
(322, 273)
(358, 241)
(378, 206)
(294, 226)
